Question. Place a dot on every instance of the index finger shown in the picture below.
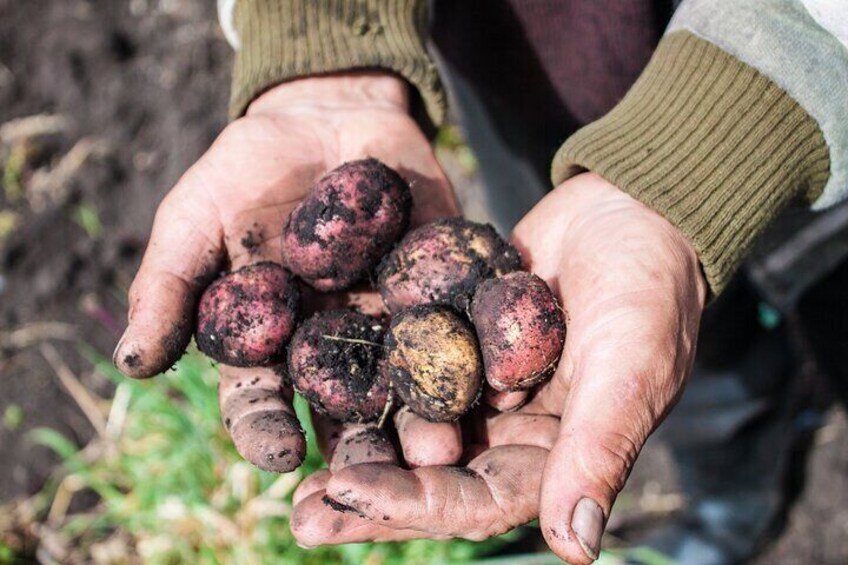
(184, 253)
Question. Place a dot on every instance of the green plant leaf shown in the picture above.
(50, 438)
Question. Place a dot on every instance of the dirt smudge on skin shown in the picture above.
(339, 507)
(464, 472)
(132, 360)
(252, 241)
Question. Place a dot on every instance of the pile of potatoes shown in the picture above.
(461, 310)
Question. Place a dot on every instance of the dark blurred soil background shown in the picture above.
(103, 105)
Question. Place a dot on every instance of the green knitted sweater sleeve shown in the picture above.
(285, 39)
(708, 142)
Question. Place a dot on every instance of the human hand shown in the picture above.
(633, 292)
(228, 211)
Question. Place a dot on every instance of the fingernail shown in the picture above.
(118, 348)
(587, 522)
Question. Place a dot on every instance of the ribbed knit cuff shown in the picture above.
(286, 39)
(708, 142)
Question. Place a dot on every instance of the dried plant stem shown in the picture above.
(390, 402)
(352, 340)
(77, 391)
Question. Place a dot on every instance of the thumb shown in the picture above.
(618, 392)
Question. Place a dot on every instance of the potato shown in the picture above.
(521, 329)
(246, 317)
(442, 263)
(336, 362)
(434, 362)
(362, 443)
(351, 218)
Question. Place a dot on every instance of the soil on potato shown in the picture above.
(147, 82)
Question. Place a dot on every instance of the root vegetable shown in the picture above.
(336, 363)
(521, 330)
(434, 362)
(352, 217)
(246, 317)
(442, 263)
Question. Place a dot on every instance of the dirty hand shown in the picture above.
(228, 211)
(633, 292)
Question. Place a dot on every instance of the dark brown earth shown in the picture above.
(146, 83)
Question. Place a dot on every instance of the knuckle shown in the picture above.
(481, 535)
(609, 459)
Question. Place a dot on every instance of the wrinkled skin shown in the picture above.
(633, 292)
(227, 211)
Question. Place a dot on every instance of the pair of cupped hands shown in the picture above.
(629, 282)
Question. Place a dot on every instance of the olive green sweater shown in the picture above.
(709, 136)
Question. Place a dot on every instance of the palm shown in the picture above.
(264, 164)
(632, 292)
(228, 210)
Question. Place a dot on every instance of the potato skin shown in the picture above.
(246, 317)
(351, 218)
(434, 362)
(345, 380)
(442, 263)
(521, 329)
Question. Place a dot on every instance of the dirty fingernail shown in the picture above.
(118, 348)
(587, 522)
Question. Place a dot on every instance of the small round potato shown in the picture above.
(434, 362)
(336, 362)
(246, 317)
(442, 263)
(521, 330)
(351, 218)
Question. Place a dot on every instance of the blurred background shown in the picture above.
(103, 104)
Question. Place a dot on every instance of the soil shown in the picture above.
(143, 87)
(144, 81)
